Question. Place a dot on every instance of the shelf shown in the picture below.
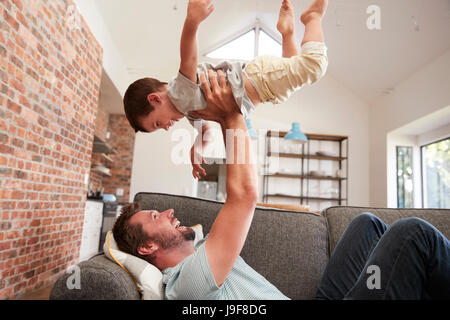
(305, 156)
(306, 198)
(102, 147)
(209, 178)
(104, 156)
(298, 176)
(311, 136)
(336, 153)
(102, 170)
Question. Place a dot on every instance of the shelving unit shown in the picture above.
(304, 176)
(104, 149)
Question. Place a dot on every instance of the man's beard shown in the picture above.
(168, 241)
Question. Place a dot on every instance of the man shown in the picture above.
(213, 268)
(408, 260)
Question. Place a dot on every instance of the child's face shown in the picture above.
(163, 117)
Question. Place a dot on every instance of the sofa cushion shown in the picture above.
(147, 278)
(100, 279)
(288, 248)
(339, 217)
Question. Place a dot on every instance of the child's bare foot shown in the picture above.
(286, 19)
(315, 11)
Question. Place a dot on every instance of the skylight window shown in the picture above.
(268, 45)
(241, 48)
(247, 45)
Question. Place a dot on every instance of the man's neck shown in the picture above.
(171, 257)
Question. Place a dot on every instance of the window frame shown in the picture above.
(257, 26)
(422, 182)
(397, 177)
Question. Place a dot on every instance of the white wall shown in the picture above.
(112, 61)
(153, 167)
(327, 108)
(425, 92)
(434, 135)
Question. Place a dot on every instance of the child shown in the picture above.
(151, 105)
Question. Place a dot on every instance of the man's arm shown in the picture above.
(198, 10)
(230, 228)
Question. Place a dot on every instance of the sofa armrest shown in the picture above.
(100, 279)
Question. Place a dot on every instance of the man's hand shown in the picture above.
(219, 97)
(198, 10)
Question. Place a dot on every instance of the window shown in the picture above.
(247, 45)
(268, 45)
(241, 48)
(436, 174)
(404, 177)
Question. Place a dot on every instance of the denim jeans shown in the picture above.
(408, 260)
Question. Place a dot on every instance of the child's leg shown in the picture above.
(312, 19)
(277, 78)
(286, 26)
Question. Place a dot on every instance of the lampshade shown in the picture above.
(251, 131)
(296, 134)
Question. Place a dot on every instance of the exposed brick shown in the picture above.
(2, 51)
(11, 21)
(18, 4)
(5, 245)
(49, 84)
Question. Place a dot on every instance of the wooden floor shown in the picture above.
(41, 294)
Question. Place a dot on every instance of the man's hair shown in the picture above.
(129, 237)
(135, 100)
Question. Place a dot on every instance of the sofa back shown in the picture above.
(338, 219)
(290, 249)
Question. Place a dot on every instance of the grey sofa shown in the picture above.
(290, 249)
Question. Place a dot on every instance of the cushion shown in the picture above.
(100, 279)
(339, 217)
(147, 278)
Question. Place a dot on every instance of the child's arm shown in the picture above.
(196, 157)
(198, 10)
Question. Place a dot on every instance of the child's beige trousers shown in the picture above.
(277, 78)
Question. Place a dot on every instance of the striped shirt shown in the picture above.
(192, 279)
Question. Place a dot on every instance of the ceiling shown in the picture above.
(369, 63)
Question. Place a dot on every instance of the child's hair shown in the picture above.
(135, 100)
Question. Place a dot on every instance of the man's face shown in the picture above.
(164, 227)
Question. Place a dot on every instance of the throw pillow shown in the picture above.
(147, 278)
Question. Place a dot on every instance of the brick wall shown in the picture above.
(121, 140)
(50, 73)
(101, 129)
(101, 122)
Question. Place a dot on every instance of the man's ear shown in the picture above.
(148, 249)
(154, 99)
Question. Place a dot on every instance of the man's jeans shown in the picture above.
(408, 260)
